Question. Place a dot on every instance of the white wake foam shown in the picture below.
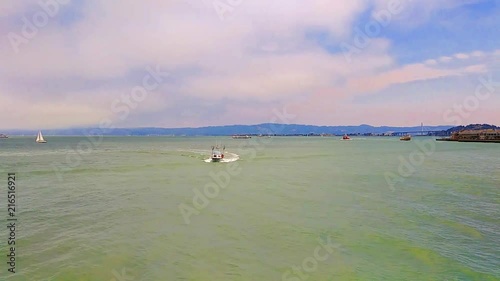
(228, 157)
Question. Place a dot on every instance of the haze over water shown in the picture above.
(118, 210)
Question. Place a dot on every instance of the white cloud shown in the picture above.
(445, 59)
(430, 62)
(477, 54)
(261, 53)
(461, 56)
(10, 7)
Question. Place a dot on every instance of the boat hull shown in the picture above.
(405, 138)
(217, 153)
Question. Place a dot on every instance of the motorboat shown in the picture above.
(405, 138)
(217, 153)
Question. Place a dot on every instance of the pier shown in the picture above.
(490, 136)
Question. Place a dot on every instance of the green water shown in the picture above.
(114, 209)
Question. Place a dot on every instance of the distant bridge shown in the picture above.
(417, 133)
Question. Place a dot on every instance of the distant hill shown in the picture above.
(266, 128)
(472, 127)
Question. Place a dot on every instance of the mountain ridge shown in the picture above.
(263, 128)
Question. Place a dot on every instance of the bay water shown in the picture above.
(280, 208)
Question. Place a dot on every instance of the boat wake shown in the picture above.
(353, 139)
(203, 154)
(228, 158)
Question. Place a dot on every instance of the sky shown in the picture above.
(192, 63)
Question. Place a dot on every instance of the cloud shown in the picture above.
(117, 36)
(10, 7)
(445, 59)
(430, 69)
(477, 54)
(264, 54)
(415, 13)
(461, 56)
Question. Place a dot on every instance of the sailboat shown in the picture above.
(39, 138)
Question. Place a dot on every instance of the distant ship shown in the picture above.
(405, 138)
(242, 137)
(39, 138)
(217, 153)
(2, 136)
(346, 137)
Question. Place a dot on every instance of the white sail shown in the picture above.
(39, 138)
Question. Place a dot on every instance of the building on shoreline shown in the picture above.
(490, 135)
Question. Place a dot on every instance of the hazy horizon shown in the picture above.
(192, 63)
(227, 125)
(120, 159)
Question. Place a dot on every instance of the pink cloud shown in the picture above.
(259, 54)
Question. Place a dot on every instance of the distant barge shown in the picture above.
(2, 136)
(491, 135)
(242, 137)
